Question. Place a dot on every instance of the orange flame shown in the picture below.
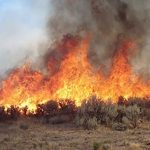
(75, 79)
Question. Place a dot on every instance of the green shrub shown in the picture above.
(91, 107)
(119, 127)
(24, 126)
(140, 102)
(96, 146)
(101, 146)
(91, 123)
(94, 111)
(87, 115)
(108, 114)
(87, 123)
(133, 114)
(147, 114)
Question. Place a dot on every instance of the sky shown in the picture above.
(22, 29)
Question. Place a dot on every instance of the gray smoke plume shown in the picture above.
(22, 31)
(108, 21)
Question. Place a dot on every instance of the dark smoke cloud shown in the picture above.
(108, 21)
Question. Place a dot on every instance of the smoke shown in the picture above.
(108, 21)
(28, 27)
(22, 31)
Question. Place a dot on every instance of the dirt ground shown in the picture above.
(29, 135)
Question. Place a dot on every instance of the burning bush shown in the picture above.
(56, 111)
(122, 101)
(66, 112)
(3, 114)
(11, 113)
(91, 113)
(141, 102)
(71, 76)
(68, 107)
(49, 109)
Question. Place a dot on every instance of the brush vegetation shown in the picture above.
(92, 113)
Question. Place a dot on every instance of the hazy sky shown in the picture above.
(22, 28)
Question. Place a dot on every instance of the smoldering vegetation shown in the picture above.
(108, 22)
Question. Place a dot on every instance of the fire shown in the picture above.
(75, 79)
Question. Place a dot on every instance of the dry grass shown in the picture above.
(117, 127)
(134, 146)
(25, 134)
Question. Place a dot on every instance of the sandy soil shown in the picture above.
(29, 135)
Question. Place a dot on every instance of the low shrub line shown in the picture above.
(92, 112)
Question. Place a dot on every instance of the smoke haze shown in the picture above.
(28, 26)
(108, 21)
(22, 30)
